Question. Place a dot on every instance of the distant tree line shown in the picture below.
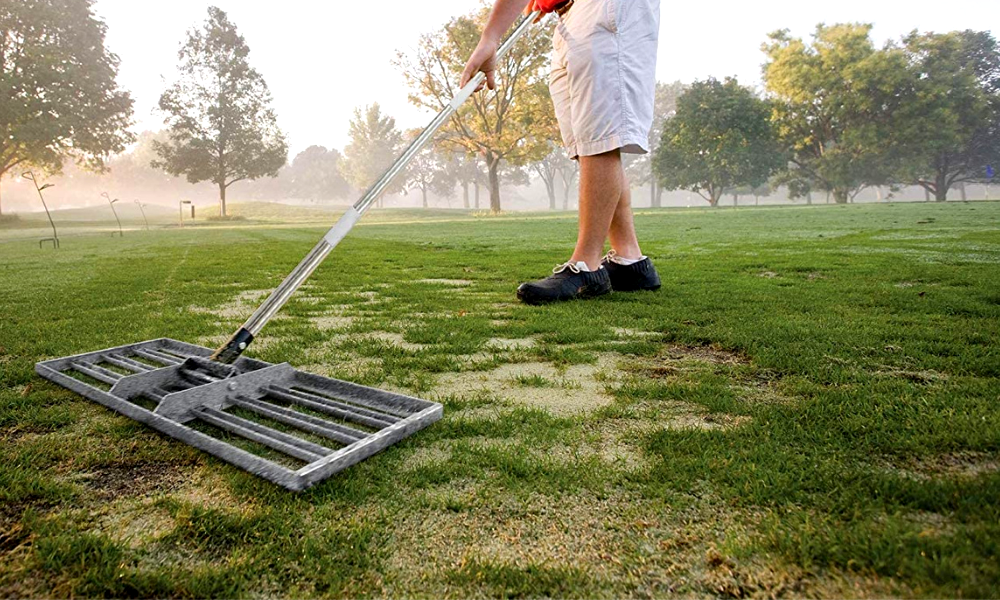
(836, 115)
(839, 115)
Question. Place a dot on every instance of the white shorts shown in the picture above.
(604, 75)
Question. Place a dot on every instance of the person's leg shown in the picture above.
(602, 186)
(622, 235)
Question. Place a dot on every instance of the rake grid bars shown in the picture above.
(292, 428)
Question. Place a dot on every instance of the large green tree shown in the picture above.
(222, 127)
(835, 106)
(513, 124)
(953, 112)
(58, 95)
(720, 138)
(315, 175)
(374, 143)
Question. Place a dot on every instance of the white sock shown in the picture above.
(582, 266)
(621, 260)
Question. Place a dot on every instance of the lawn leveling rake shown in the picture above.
(259, 416)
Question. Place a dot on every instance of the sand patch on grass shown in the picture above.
(958, 465)
(498, 343)
(567, 391)
(447, 282)
(241, 306)
(396, 339)
(327, 323)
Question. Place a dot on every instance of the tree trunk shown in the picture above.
(659, 196)
(465, 194)
(652, 192)
(941, 187)
(736, 200)
(550, 187)
(841, 196)
(756, 200)
(494, 172)
(1, 194)
(809, 198)
(565, 195)
(476, 184)
(961, 190)
(222, 200)
(927, 195)
(423, 195)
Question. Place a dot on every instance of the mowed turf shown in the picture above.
(809, 407)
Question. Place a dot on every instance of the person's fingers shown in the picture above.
(529, 8)
(467, 74)
(491, 80)
(479, 87)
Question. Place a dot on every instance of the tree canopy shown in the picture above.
(953, 115)
(720, 138)
(374, 142)
(221, 125)
(58, 94)
(835, 107)
(513, 124)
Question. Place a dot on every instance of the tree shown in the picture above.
(720, 138)
(639, 166)
(468, 172)
(429, 172)
(58, 95)
(221, 124)
(834, 107)
(568, 174)
(513, 124)
(374, 144)
(953, 113)
(548, 171)
(315, 175)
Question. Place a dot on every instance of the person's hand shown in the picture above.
(484, 58)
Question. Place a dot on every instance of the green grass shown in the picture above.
(809, 407)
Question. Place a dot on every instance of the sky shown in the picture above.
(323, 59)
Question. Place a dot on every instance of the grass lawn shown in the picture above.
(809, 407)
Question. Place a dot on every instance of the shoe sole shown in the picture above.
(537, 301)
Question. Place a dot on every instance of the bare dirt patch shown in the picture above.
(708, 354)
(143, 479)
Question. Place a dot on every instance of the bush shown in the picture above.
(227, 218)
(9, 219)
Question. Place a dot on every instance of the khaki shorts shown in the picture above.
(604, 75)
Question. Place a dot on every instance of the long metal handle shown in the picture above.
(232, 349)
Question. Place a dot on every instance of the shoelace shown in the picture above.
(568, 265)
(609, 256)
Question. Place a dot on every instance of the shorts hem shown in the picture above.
(613, 142)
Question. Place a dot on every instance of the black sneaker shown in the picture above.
(631, 278)
(567, 282)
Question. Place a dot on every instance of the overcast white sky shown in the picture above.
(322, 59)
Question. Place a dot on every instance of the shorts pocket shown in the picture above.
(611, 8)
